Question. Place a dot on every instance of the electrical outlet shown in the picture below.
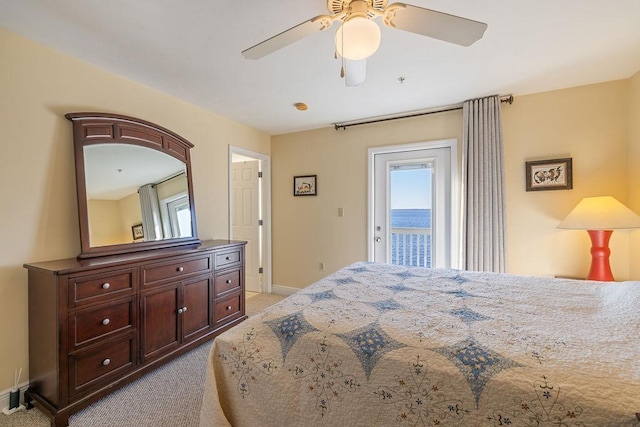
(322, 266)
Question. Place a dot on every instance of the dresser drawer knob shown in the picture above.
(106, 285)
(180, 269)
(228, 307)
(106, 362)
(106, 321)
(228, 258)
(229, 281)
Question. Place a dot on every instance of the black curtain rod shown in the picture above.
(337, 126)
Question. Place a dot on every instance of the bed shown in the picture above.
(381, 345)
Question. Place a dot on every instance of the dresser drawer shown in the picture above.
(101, 363)
(227, 282)
(105, 286)
(175, 268)
(229, 308)
(88, 325)
(228, 258)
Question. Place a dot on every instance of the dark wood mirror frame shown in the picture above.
(104, 128)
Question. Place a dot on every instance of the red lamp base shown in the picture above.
(600, 268)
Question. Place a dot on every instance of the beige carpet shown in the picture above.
(258, 302)
(170, 396)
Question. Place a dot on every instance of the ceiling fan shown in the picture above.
(359, 36)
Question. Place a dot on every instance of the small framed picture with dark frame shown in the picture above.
(305, 185)
(553, 174)
(137, 232)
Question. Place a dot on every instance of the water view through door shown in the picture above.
(411, 201)
(411, 206)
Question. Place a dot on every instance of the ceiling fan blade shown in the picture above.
(438, 25)
(355, 72)
(288, 37)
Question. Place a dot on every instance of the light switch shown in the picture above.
(340, 212)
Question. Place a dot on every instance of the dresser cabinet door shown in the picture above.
(160, 329)
(197, 310)
(175, 314)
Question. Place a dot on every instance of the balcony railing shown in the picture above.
(411, 246)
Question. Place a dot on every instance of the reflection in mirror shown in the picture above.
(135, 194)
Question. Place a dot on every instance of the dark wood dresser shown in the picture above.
(97, 324)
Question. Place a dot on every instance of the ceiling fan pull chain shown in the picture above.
(342, 57)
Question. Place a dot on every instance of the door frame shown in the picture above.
(265, 209)
(452, 144)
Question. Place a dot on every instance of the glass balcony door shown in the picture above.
(412, 206)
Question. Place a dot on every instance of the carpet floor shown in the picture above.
(169, 396)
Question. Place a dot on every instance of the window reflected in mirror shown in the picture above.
(128, 185)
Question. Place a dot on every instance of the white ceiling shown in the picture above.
(191, 50)
(114, 171)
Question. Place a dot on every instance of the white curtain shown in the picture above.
(484, 222)
(150, 207)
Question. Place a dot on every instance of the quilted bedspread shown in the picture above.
(383, 345)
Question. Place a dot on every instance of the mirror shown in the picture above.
(134, 194)
(134, 185)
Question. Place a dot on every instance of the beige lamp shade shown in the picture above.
(600, 213)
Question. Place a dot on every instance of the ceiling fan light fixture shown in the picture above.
(357, 38)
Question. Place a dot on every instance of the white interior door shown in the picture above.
(411, 211)
(246, 216)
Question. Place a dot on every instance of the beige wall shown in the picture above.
(39, 218)
(173, 186)
(105, 223)
(634, 169)
(110, 221)
(130, 214)
(586, 123)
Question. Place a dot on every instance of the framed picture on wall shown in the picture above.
(137, 231)
(305, 185)
(553, 174)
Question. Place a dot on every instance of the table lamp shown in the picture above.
(600, 216)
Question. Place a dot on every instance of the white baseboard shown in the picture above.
(283, 290)
(4, 396)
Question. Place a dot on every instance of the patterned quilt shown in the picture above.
(383, 345)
